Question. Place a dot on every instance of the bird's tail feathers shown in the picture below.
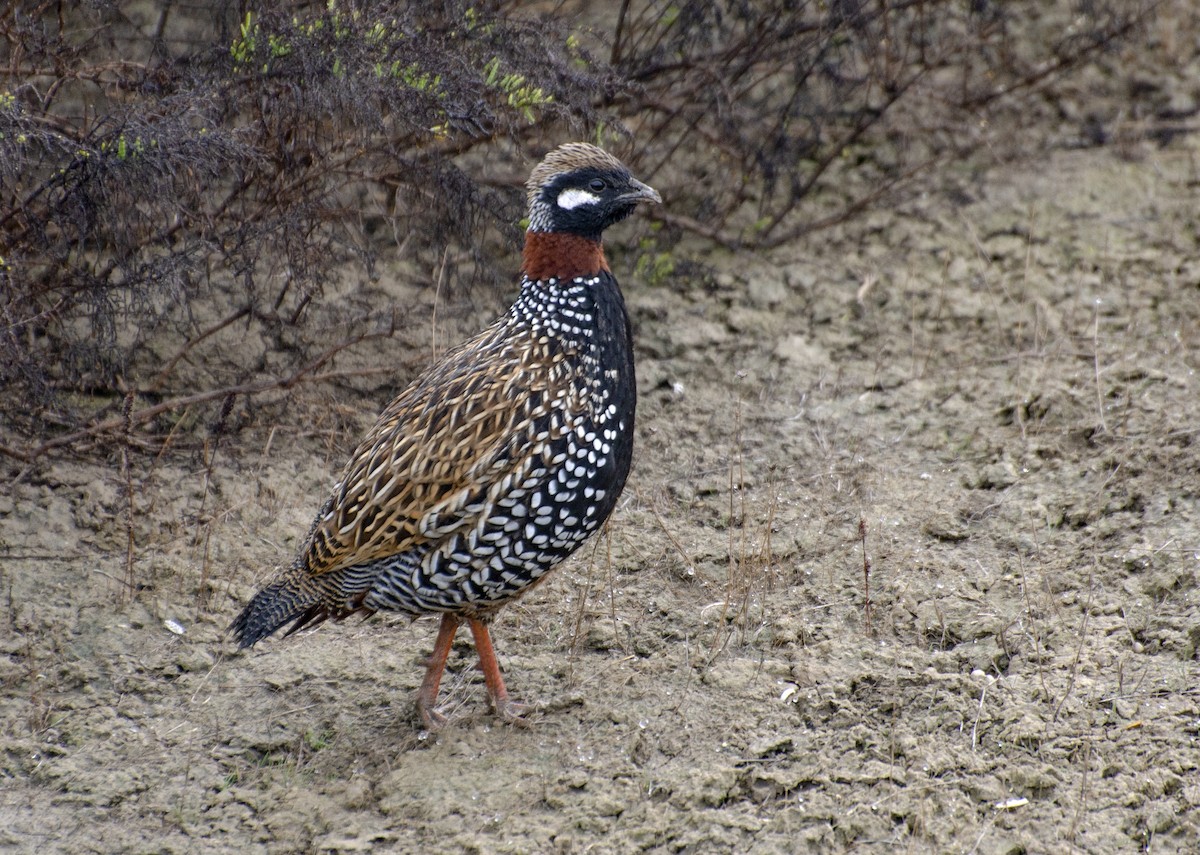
(289, 598)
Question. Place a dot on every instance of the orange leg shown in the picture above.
(427, 694)
(507, 709)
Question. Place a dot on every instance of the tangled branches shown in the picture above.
(784, 99)
(164, 180)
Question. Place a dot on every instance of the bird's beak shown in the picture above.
(639, 192)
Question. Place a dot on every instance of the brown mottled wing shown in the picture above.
(466, 430)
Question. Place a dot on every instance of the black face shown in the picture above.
(589, 200)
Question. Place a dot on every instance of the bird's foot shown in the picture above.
(514, 712)
(432, 720)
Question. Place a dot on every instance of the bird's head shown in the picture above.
(581, 189)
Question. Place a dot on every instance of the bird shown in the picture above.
(499, 460)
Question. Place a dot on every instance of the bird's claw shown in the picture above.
(430, 718)
(514, 713)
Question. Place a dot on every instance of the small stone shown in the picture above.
(996, 476)
(958, 269)
(799, 350)
(765, 291)
(944, 526)
(194, 659)
(771, 746)
(280, 682)
(1160, 819)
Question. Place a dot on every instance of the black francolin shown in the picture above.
(500, 460)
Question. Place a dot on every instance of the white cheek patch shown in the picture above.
(571, 199)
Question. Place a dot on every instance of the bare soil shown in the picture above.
(989, 394)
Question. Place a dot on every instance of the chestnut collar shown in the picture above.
(562, 256)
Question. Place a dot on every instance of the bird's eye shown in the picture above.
(598, 184)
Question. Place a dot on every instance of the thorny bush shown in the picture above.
(165, 177)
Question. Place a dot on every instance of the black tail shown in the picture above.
(286, 599)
